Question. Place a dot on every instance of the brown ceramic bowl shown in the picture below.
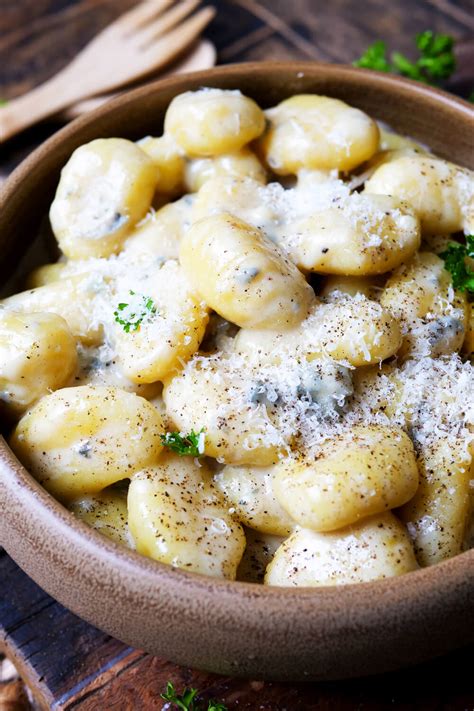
(228, 627)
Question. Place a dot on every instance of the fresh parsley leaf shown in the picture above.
(471, 97)
(403, 66)
(455, 262)
(437, 55)
(374, 57)
(185, 701)
(435, 63)
(3, 102)
(191, 444)
(130, 316)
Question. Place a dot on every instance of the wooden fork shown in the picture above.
(201, 56)
(139, 42)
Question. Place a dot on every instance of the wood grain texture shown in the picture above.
(67, 663)
(71, 665)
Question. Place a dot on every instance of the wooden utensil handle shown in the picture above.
(45, 100)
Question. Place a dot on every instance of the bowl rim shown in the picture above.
(448, 574)
(409, 86)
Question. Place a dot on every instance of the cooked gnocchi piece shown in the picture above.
(106, 512)
(433, 315)
(210, 122)
(363, 472)
(253, 359)
(245, 198)
(391, 141)
(241, 164)
(251, 284)
(202, 396)
(317, 132)
(100, 366)
(376, 548)
(363, 235)
(441, 193)
(160, 234)
(80, 440)
(437, 516)
(172, 322)
(355, 330)
(73, 298)
(37, 355)
(176, 516)
(45, 275)
(169, 162)
(250, 492)
(370, 287)
(106, 188)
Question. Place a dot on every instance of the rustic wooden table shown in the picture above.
(66, 663)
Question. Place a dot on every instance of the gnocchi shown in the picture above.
(75, 440)
(434, 315)
(252, 284)
(317, 132)
(106, 512)
(252, 359)
(242, 164)
(355, 330)
(169, 162)
(177, 517)
(106, 188)
(210, 122)
(441, 193)
(37, 355)
(363, 235)
(374, 549)
(250, 492)
(361, 473)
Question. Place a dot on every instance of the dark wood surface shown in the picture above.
(66, 663)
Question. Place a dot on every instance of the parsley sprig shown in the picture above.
(191, 444)
(435, 63)
(455, 262)
(185, 701)
(130, 316)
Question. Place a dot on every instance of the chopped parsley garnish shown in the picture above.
(374, 57)
(435, 63)
(191, 444)
(185, 701)
(131, 315)
(455, 262)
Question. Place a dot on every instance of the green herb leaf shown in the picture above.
(185, 701)
(471, 97)
(435, 63)
(374, 57)
(131, 315)
(3, 102)
(191, 444)
(406, 68)
(455, 262)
